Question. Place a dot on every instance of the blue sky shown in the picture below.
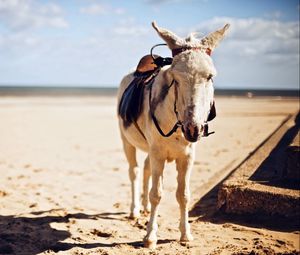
(95, 42)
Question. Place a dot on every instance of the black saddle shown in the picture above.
(131, 103)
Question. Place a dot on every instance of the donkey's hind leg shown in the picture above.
(134, 175)
(157, 167)
(146, 186)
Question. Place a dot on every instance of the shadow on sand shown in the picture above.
(206, 208)
(272, 171)
(33, 235)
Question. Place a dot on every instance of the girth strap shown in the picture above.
(139, 129)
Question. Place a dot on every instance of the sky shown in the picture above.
(94, 43)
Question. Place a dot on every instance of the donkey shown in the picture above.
(181, 93)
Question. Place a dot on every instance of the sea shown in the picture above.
(112, 91)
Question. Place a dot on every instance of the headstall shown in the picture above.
(160, 62)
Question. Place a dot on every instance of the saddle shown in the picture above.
(131, 103)
(146, 64)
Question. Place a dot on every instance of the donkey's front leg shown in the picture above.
(157, 167)
(184, 167)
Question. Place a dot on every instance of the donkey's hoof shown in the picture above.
(151, 244)
(147, 208)
(146, 212)
(186, 238)
(134, 215)
(150, 241)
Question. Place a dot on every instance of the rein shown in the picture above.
(177, 124)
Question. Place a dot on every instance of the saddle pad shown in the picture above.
(131, 103)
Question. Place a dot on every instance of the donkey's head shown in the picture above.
(192, 70)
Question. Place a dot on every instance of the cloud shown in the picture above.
(29, 14)
(101, 9)
(16, 41)
(119, 11)
(94, 9)
(128, 27)
(160, 1)
(100, 58)
(256, 52)
(274, 15)
(157, 2)
(256, 37)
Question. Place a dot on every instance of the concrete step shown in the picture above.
(268, 180)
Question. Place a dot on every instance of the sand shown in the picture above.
(65, 188)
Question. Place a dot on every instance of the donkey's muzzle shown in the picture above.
(192, 132)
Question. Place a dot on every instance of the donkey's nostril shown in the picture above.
(190, 129)
(191, 132)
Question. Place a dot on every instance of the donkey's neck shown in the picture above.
(163, 99)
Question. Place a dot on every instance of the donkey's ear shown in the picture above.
(212, 40)
(173, 41)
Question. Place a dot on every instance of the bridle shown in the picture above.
(178, 123)
(160, 62)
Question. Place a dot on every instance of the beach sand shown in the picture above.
(65, 188)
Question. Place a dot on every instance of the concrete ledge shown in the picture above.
(293, 159)
(259, 184)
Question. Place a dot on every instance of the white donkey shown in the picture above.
(182, 93)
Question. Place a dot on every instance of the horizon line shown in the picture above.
(3, 86)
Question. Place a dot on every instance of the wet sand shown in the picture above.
(65, 187)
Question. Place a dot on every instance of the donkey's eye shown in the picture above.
(209, 77)
(176, 82)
